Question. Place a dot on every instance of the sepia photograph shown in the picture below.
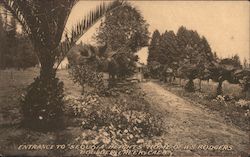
(124, 78)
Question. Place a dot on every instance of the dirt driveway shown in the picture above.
(191, 124)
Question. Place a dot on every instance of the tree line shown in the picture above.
(188, 55)
(16, 50)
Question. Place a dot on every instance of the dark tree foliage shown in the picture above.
(224, 71)
(124, 31)
(153, 49)
(86, 66)
(25, 56)
(16, 50)
(186, 55)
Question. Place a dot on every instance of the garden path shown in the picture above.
(189, 123)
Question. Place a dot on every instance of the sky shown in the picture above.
(225, 24)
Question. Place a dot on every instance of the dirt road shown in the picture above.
(192, 124)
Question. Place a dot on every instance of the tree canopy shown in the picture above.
(124, 29)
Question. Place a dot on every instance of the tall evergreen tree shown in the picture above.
(153, 49)
(197, 55)
(169, 54)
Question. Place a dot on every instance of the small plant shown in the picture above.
(86, 74)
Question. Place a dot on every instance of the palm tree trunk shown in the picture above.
(43, 105)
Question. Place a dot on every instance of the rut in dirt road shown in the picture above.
(188, 123)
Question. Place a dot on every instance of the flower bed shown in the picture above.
(124, 119)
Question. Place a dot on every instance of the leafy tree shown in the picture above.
(155, 69)
(86, 66)
(44, 23)
(124, 31)
(169, 54)
(195, 57)
(169, 49)
(86, 73)
(223, 71)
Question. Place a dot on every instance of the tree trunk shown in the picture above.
(189, 87)
(199, 84)
(43, 104)
(219, 88)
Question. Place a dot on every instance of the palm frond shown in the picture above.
(43, 21)
(16, 9)
(84, 25)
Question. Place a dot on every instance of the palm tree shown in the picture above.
(44, 22)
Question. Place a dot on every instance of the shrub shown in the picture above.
(87, 74)
(42, 106)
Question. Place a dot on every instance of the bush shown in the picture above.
(42, 105)
(87, 74)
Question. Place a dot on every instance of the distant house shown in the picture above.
(142, 55)
(141, 63)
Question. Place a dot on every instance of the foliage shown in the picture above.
(153, 49)
(222, 71)
(42, 105)
(154, 69)
(86, 74)
(44, 23)
(86, 66)
(185, 54)
(25, 53)
(124, 31)
(243, 76)
(122, 64)
(16, 49)
(120, 119)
